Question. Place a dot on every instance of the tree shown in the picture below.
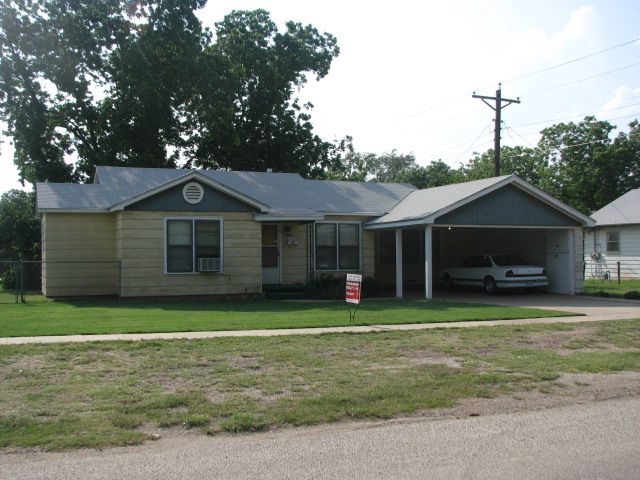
(388, 167)
(626, 149)
(105, 80)
(19, 232)
(269, 128)
(436, 174)
(586, 172)
(115, 82)
(352, 167)
(527, 163)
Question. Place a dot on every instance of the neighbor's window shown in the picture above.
(337, 246)
(613, 242)
(193, 245)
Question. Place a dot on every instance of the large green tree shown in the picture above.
(269, 127)
(586, 170)
(141, 83)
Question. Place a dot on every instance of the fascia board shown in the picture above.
(288, 218)
(404, 223)
(186, 177)
(358, 214)
(73, 210)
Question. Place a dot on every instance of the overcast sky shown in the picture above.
(407, 70)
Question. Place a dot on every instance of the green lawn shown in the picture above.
(86, 317)
(611, 286)
(99, 394)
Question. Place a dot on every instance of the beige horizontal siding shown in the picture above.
(73, 237)
(140, 245)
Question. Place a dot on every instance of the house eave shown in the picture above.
(287, 218)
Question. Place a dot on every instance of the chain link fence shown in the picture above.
(603, 269)
(24, 281)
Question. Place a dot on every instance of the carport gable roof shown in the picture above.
(424, 207)
(625, 210)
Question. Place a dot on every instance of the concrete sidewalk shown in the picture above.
(588, 309)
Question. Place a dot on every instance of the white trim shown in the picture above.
(185, 178)
(428, 262)
(393, 226)
(188, 187)
(399, 275)
(287, 218)
(193, 260)
(337, 223)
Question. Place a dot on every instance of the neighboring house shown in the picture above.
(163, 232)
(615, 238)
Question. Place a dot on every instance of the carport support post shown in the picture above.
(428, 263)
(398, 263)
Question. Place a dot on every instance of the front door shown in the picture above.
(270, 254)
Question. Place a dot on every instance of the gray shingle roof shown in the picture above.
(285, 193)
(622, 211)
(423, 203)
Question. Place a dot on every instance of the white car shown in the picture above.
(495, 271)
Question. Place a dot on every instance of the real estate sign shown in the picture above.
(354, 287)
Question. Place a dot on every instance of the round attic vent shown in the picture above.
(193, 192)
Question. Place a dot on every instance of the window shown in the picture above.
(193, 245)
(613, 242)
(337, 246)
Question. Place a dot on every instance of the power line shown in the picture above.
(430, 157)
(433, 107)
(582, 79)
(577, 115)
(573, 109)
(474, 142)
(573, 61)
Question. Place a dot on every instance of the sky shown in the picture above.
(407, 71)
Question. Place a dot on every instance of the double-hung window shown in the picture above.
(193, 245)
(613, 242)
(337, 246)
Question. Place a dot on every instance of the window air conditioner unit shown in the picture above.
(208, 264)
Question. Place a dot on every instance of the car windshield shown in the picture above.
(509, 260)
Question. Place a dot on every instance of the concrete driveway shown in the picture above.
(593, 307)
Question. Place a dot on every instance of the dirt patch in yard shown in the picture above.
(569, 389)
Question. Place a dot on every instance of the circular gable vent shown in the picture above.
(193, 192)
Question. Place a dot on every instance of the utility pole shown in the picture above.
(498, 109)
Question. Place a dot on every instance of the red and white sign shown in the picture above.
(354, 287)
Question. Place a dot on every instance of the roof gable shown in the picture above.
(179, 181)
(173, 200)
(427, 206)
(508, 205)
(625, 210)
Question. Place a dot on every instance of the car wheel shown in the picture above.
(447, 282)
(490, 286)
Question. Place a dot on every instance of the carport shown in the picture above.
(439, 227)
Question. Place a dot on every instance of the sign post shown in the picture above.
(352, 294)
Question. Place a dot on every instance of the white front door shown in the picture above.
(270, 254)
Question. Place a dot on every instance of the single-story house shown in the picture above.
(615, 238)
(162, 232)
